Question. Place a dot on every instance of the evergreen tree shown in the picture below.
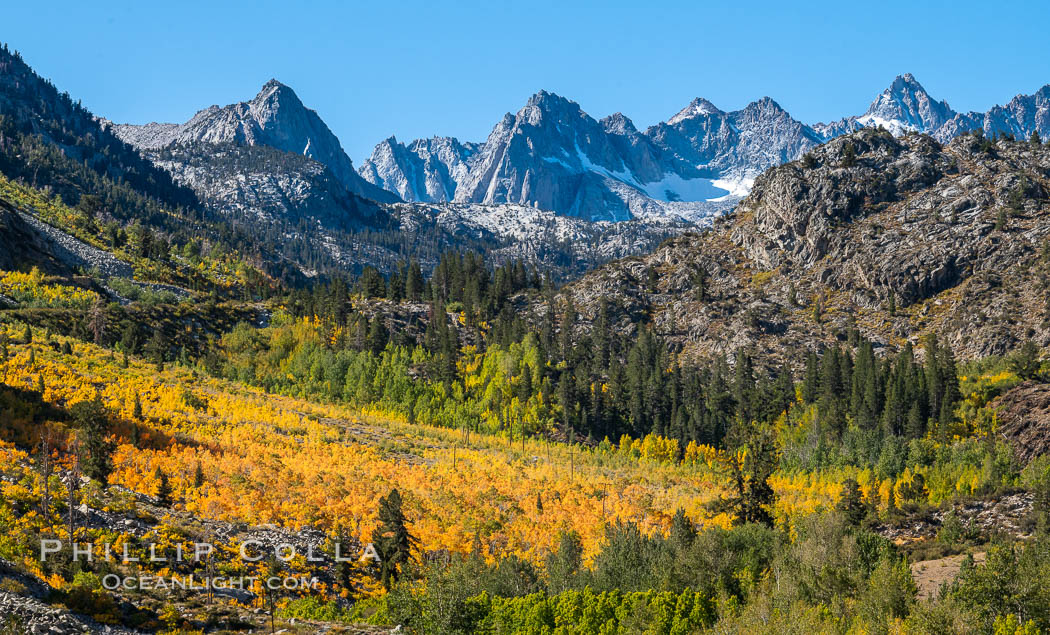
(414, 281)
(568, 322)
(525, 384)
(811, 378)
(1025, 361)
(849, 155)
(752, 496)
(852, 502)
(683, 533)
(157, 348)
(391, 539)
(198, 476)
(163, 488)
(90, 418)
(378, 336)
(744, 386)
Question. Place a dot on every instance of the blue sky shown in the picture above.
(414, 69)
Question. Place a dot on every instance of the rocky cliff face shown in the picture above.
(554, 156)
(736, 145)
(895, 237)
(1024, 419)
(275, 118)
(428, 170)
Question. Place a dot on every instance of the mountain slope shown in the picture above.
(909, 237)
(47, 139)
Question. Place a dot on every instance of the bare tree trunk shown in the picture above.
(45, 471)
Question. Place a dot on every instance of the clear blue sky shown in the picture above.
(416, 69)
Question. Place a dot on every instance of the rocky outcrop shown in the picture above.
(30, 615)
(1024, 419)
(894, 237)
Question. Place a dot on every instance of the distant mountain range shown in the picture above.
(550, 183)
(553, 155)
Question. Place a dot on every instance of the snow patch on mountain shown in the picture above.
(675, 188)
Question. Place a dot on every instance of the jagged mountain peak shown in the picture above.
(618, 123)
(906, 80)
(275, 90)
(547, 105)
(699, 107)
(905, 105)
(542, 97)
(765, 105)
(276, 118)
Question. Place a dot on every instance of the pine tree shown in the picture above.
(1035, 139)
(129, 339)
(752, 496)
(391, 539)
(378, 336)
(568, 322)
(136, 411)
(852, 502)
(157, 348)
(1025, 361)
(849, 155)
(413, 281)
(744, 386)
(811, 379)
(27, 335)
(198, 476)
(163, 488)
(525, 384)
(1000, 220)
(90, 417)
(683, 533)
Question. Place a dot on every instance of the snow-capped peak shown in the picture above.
(906, 105)
(699, 107)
